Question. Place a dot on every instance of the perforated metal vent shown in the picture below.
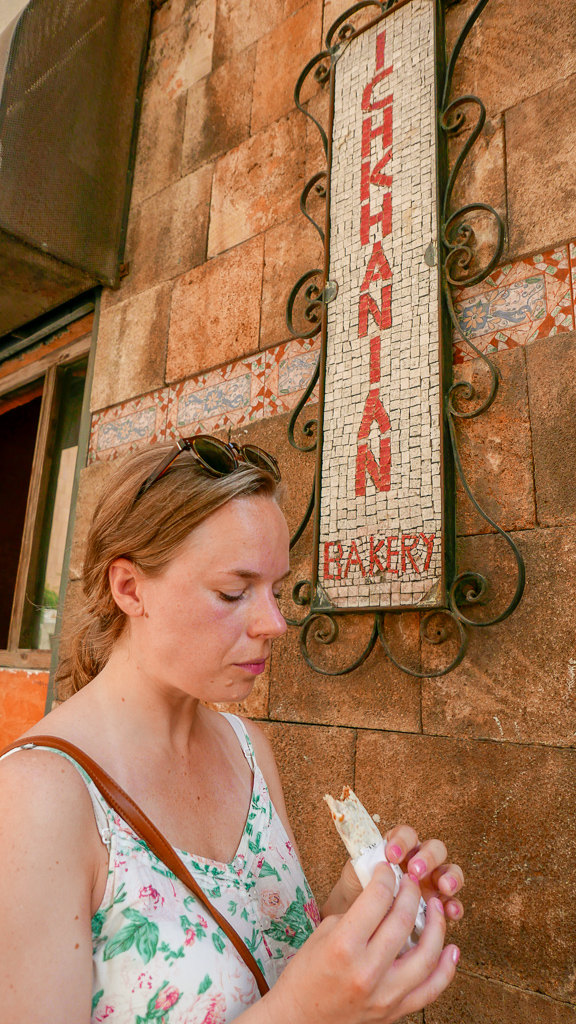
(66, 127)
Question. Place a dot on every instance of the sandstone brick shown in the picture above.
(551, 367)
(482, 178)
(258, 184)
(517, 680)
(159, 152)
(167, 234)
(22, 700)
(239, 23)
(182, 54)
(312, 762)
(215, 312)
(514, 50)
(290, 249)
(218, 111)
(540, 143)
(131, 347)
(167, 15)
(281, 55)
(334, 8)
(376, 696)
(318, 106)
(93, 480)
(496, 449)
(506, 814)
(470, 998)
(297, 469)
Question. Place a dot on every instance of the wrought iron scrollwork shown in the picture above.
(310, 295)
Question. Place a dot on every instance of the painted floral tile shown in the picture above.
(518, 303)
(289, 368)
(230, 396)
(126, 427)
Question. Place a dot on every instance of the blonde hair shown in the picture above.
(148, 532)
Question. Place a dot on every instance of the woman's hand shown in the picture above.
(426, 863)
(349, 971)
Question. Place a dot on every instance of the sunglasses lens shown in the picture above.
(261, 459)
(215, 456)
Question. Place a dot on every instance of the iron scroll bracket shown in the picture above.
(311, 295)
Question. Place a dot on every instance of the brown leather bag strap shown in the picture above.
(143, 827)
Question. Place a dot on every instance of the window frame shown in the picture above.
(47, 367)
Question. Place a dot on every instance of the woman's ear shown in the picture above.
(125, 586)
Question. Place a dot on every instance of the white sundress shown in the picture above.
(158, 956)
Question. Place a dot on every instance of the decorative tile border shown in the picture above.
(289, 368)
(532, 298)
(129, 426)
(521, 302)
(249, 389)
(227, 397)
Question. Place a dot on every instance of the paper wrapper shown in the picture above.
(366, 847)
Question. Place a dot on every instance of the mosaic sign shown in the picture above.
(380, 535)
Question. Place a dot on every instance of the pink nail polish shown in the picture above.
(438, 904)
(452, 883)
(395, 851)
(455, 954)
(414, 878)
(418, 867)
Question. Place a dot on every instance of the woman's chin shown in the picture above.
(233, 693)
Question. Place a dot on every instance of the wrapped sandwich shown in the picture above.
(366, 846)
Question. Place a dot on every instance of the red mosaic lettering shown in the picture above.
(374, 177)
(429, 542)
(354, 559)
(366, 463)
(367, 93)
(369, 307)
(375, 360)
(407, 550)
(337, 559)
(391, 551)
(378, 268)
(380, 45)
(367, 219)
(373, 411)
(384, 129)
(374, 560)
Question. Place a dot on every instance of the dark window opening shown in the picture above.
(19, 418)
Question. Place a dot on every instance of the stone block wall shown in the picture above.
(195, 339)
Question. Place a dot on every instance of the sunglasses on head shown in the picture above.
(219, 458)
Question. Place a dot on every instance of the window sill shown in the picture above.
(25, 659)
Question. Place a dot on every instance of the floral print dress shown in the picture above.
(158, 956)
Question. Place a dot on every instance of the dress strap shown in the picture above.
(243, 738)
(98, 803)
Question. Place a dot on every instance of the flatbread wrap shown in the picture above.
(366, 846)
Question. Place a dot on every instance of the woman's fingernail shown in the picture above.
(394, 850)
(437, 904)
(454, 908)
(452, 883)
(418, 867)
(414, 878)
(455, 954)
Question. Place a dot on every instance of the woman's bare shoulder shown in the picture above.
(42, 793)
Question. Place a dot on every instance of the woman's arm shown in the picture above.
(49, 861)
(426, 861)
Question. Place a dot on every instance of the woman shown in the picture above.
(185, 559)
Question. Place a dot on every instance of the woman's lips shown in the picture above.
(254, 668)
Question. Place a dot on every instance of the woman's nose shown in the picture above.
(268, 619)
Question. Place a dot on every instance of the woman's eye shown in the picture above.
(229, 597)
